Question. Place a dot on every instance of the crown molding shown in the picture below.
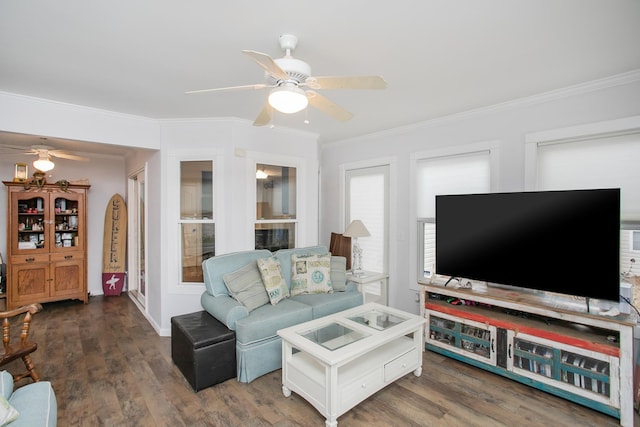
(541, 98)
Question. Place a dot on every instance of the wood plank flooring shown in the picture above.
(110, 368)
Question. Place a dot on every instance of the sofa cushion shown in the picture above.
(265, 321)
(338, 273)
(284, 256)
(245, 286)
(311, 274)
(325, 304)
(215, 267)
(272, 279)
(7, 412)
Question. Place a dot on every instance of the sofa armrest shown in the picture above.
(224, 308)
(351, 286)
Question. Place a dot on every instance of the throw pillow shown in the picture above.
(245, 286)
(339, 273)
(311, 274)
(272, 279)
(7, 412)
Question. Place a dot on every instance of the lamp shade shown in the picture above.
(356, 229)
(288, 99)
(43, 163)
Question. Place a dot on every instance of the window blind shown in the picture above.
(602, 162)
(606, 162)
(457, 174)
(367, 191)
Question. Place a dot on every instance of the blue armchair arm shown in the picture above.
(351, 286)
(224, 308)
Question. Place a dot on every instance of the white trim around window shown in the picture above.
(570, 134)
(254, 158)
(174, 159)
(391, 209)
(416, 252)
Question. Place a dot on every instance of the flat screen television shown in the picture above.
(561, 241)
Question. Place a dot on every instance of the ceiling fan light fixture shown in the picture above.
(43, 163)
(288, 99)
(261, 174)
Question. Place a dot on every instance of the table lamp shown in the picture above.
(354, 230)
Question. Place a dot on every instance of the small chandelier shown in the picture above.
(288, 99)
(43, 163)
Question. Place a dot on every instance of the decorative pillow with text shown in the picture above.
(311, 274)
(272, 279)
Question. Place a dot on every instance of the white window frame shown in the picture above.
(416, 242)
(253, 159)
(390, 261)
(172, 209)
(349, 216)
(610, 128)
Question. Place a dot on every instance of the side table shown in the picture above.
(374, 286)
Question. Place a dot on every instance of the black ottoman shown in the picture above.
(203, 349)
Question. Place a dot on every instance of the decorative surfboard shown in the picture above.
(114, 249)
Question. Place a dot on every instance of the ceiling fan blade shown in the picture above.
(268, 64)
(232, 88)
(264, 117)
(18, 148)
(328, 107)
(346, 82)
(65, 155)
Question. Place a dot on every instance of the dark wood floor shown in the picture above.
(109, 368)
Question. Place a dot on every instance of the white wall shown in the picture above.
(239, 144)
(236, 146)
(506, 124)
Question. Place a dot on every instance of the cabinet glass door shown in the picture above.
(533, 357)
(585, 372)
(576, 370)
(29, 214)
(67, 209)
(466, 337)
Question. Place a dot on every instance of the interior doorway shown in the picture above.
(137, 276)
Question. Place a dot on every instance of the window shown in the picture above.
(196, 223)
(276, 200)
(603, 160)
(450, 174)
(367, 193)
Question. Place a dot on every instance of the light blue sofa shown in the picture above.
(258, 347)
(36, 402)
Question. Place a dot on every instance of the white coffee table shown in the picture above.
(337, 361)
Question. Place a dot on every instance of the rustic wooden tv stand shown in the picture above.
(543, 340)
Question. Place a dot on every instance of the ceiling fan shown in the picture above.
(292, 87)
(44, 152)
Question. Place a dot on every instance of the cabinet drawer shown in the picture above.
(399, 366)
(29, 259)
(69, 256)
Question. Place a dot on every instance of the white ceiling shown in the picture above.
(438, 57)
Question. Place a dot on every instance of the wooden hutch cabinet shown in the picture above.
(46, 243)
